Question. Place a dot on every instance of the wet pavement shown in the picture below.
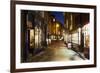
(56, 51)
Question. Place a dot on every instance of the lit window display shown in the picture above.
(32, 38)
(35, 38)
(86, 31)
(79, 36)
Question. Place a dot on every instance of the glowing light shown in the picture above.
(57, 25)
(31, 38)
(53, 19)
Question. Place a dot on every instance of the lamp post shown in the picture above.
(54, 28)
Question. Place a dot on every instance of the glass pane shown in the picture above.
(36, 37)
(32, 38)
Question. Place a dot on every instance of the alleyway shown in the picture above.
(43, 34)
(57, 51)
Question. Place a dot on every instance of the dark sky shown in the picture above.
(59, 16)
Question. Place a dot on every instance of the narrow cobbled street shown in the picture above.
(56, 51)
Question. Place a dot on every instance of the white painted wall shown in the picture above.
(5, 36)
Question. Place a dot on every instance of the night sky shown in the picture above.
(59, 16)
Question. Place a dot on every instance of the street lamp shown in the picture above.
(53, 19)
(57, 25)
(54, 27)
